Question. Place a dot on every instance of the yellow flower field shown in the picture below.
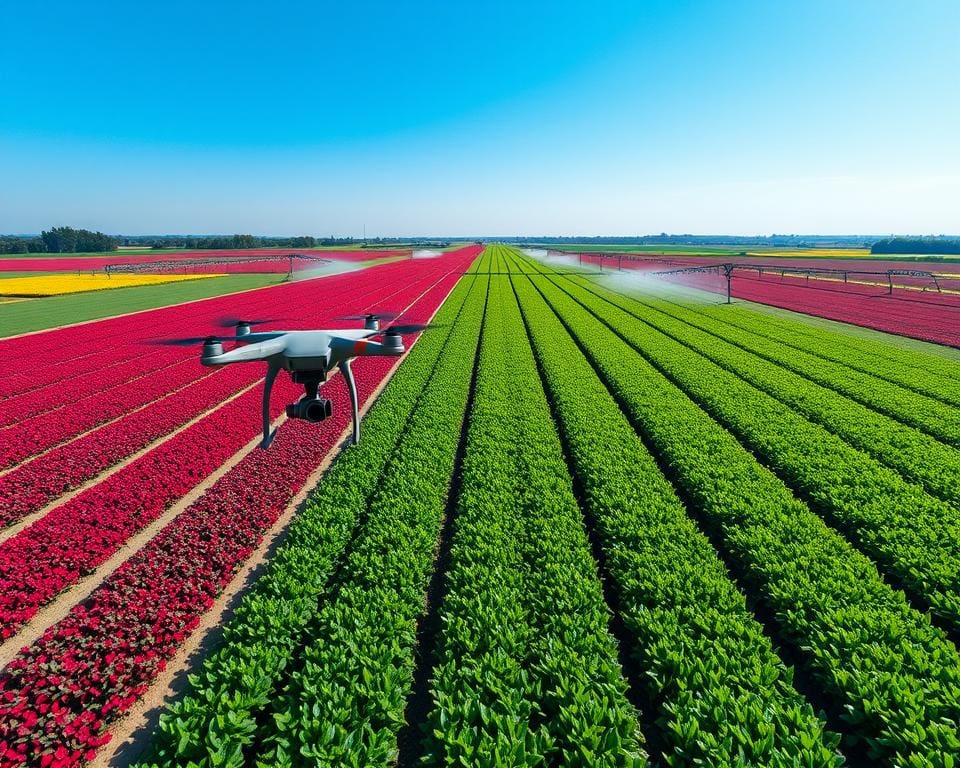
(55, 285)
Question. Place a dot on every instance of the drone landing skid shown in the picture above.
(272, 371)
(352, 386)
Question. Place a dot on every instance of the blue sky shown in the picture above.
(485, 118)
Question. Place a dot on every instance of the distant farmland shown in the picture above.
(595, 519)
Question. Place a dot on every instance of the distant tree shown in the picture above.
(69, 240)
(14, 245)
(60, 240)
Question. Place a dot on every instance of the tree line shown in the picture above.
(69, 240)
(777, 241)
(937, 245)
(60, 240)
(233, 242)
(238, 242)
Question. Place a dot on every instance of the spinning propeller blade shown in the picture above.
(371, 316)
(233, 322)
(189, 341)
(399, 330)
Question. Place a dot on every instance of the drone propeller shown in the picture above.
(235, 322)
(372, 316)
(399, 330)
(189, 341)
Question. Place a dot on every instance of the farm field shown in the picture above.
(28, 315)
(587, 524)
(612, 584)
(913, 310)
(643, 249)
(919, 313)
(132, 250)
(146, 472)
(62, 284)
(757, 254)
(272, 259)
(838, 260)
(860, 293)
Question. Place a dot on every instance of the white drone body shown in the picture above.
(309, 356)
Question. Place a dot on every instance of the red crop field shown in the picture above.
(129, 493)
(663, 260)
(929, 316)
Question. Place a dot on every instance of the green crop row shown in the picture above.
(528, 672)
(574, 657)
(217, 720)
(928, 374)
(344, 705)
(932, 415)
(892, 677)
(719, 691)
(925, 412)
(914, 536)
(479, 701)
(913, 453)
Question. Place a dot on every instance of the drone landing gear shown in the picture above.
(268, 436)
(352, 386)
(311, 407)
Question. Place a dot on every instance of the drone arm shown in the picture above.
(272, 370)
(345, 348)
(248, 353)
(352, 386)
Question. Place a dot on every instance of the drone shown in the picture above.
(309, 357)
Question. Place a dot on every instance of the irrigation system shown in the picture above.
(729, 268)
(173, 264)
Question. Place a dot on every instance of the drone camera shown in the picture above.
(311, 409)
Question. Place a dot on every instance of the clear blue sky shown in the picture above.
(505, 118)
